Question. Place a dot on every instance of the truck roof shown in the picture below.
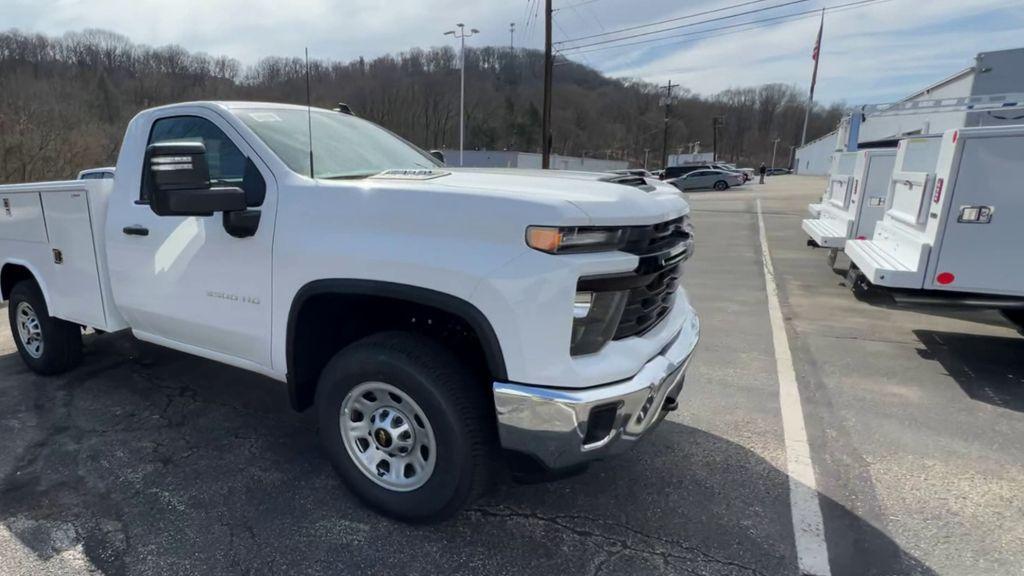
(234, 105)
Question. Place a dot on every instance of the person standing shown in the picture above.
(762, 170)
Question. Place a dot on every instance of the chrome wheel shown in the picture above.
(388, 436)
(30, 331)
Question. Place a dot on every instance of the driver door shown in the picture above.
(184, 281)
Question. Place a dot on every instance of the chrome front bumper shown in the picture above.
(554, 425)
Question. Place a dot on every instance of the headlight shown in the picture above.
(573, 240)
(596, 315)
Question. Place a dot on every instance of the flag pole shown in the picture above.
(814, 78)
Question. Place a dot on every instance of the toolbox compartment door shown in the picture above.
(839, 191)
(21, 217)
(985, 252)
(907, 193)
(874, 192)
(74, 281)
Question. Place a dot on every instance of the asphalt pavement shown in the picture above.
(149, 461)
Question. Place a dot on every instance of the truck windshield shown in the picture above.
(343, 146)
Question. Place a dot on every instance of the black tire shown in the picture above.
(61, 340)
(721, 185)
(454, 401)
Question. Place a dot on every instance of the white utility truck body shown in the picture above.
(840, 181)
(955, 229)
(855, 203)
(558, 298)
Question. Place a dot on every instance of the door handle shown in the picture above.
(136, 230)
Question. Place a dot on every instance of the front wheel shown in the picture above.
(46, 344)
(721, 185)
(406, 426)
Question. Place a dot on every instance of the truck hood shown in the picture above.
(607, 199)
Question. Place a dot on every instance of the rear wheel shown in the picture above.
(721, 185)
(406, 426)
(47, 345)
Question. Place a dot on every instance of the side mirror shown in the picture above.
(437, 154)
(177, 180)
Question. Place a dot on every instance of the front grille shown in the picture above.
(647, 305)
(646, 240)
(652, 286)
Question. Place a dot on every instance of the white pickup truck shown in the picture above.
(432, 317)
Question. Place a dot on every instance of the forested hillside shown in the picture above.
(65, 102)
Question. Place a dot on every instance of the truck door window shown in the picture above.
(226, 161)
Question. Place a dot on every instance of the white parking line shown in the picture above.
(808, 527)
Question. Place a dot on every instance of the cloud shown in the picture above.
(870, 54)
(880, 52)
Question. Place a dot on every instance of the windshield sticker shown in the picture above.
(264, 117)
(412, 174)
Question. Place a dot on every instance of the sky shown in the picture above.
(874, 53)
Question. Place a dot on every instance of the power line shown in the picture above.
(690, 25)
(593, 13)
(697, 38)
(536, 15)
(754, 24)
(526, 15)
(564, 33)
(531, 14)
(666, 21)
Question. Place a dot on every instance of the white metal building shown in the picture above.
(997, 72)
(815, 157)
(513, 159)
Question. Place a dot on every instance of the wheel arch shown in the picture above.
(304, 362)
(14, 271)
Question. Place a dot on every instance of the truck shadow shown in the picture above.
(989, 369)
(145, 460)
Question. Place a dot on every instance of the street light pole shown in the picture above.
(462, 35)
(775, 144)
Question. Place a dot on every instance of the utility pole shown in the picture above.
(647, 153)
(775, 144)
(462, 35)
(664, 142)
(511, 37)
(716, 122)
(548, 70)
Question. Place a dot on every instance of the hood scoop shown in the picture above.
(630, 180)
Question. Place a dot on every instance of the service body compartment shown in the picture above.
(74, 280)
(958, 227)
(55, 230)
(854, 201)
(896, 254)
(21, 217)
(870, 190)
(981, 248)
